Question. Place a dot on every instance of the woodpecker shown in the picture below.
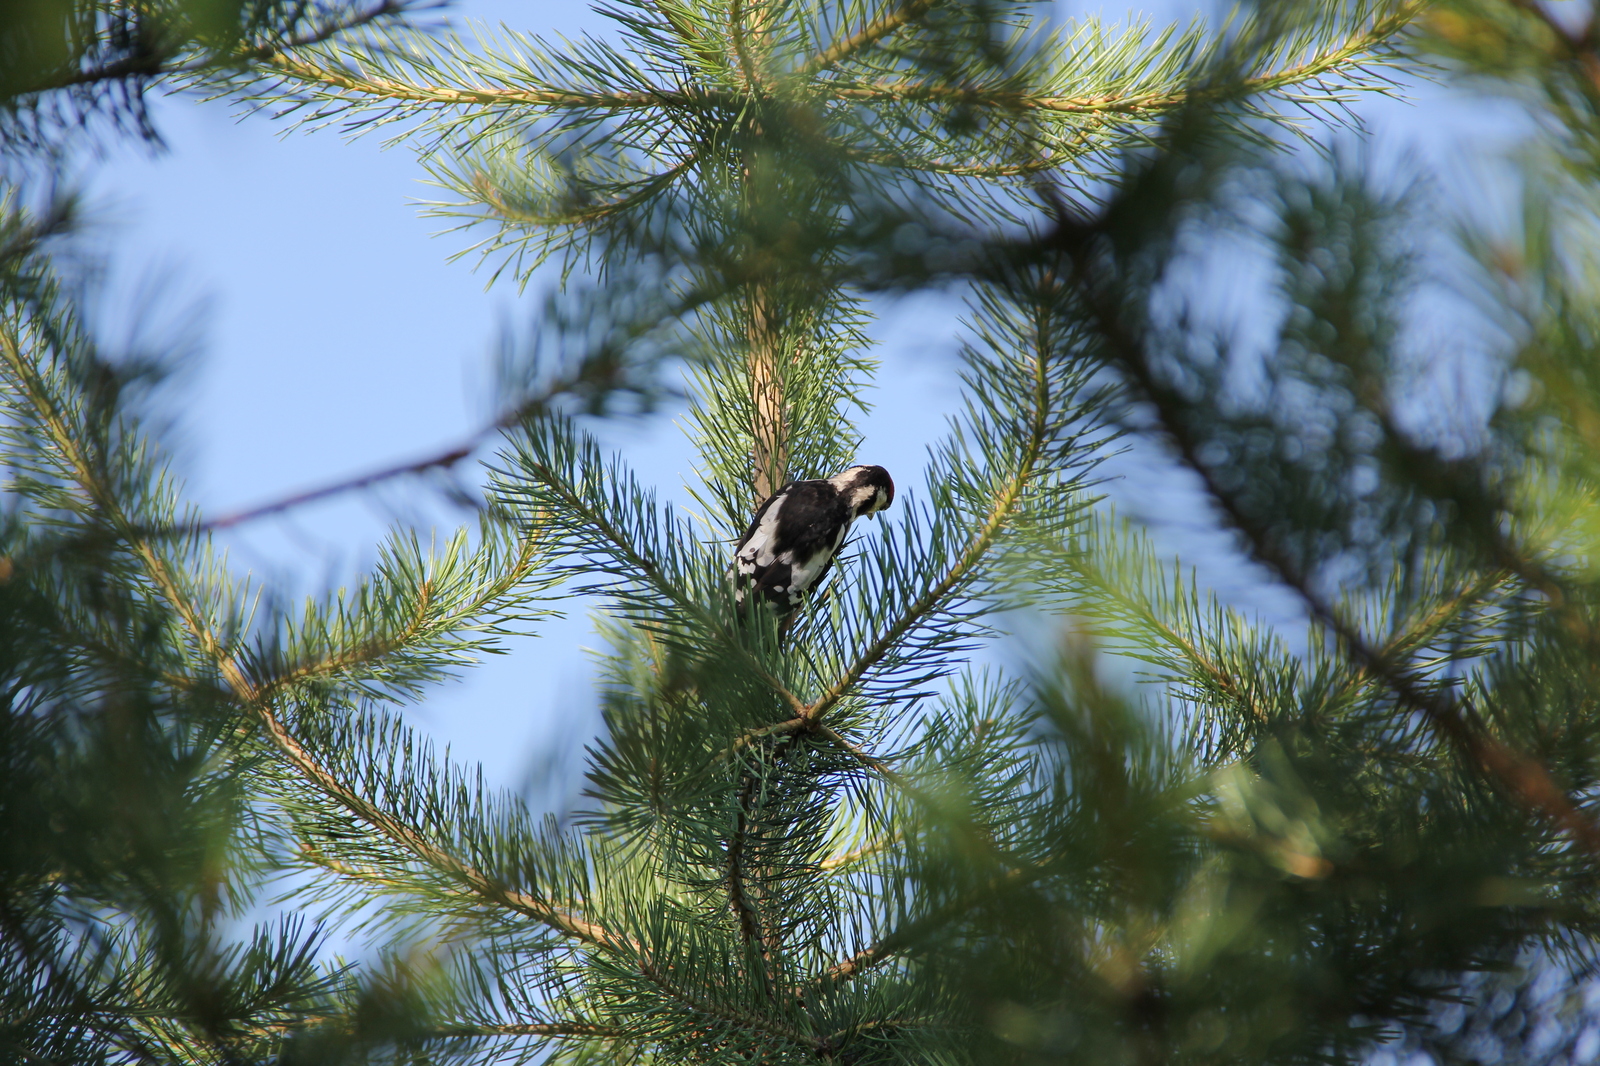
(794, 536)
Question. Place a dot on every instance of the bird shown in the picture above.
(796, 533)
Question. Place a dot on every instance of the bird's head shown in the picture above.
(869, 489)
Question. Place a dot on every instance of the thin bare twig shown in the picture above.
(439, 461)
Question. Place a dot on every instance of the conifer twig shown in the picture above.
(866, 37)
(769, 421)
(1527, 780)
(713, 98)
(252, 697)
(739, 892)
(741, 47)
(445, 459)
(917, 929)
(152, 64)
(626, 549)
(568, 1028)
(978, 545)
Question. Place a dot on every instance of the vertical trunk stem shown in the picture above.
(769, 426)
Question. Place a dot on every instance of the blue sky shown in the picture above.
(337, 338)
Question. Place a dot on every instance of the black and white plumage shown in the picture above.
(793, 538)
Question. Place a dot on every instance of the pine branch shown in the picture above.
(622, 547)
(1140, 606)
(422, 619)
(1524, 778)
(708, 98)
(1001, 510)
(249, 694)
(972, 169)
(769, 419)
(725, 1014)
(707, 51)
(739, 893)
(868, 36)
(569, 1028)
(297, 69)
(588, 214)
(1528, 780)
(850, 858)
(155, 64)
(741, 47)
(1141, 105)
(920, 929)
(1400, 644)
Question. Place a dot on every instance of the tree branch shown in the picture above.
(257, 701)
(869, 35)
(627, 551)
(1528, 782)
(308, 73)
(156, 65)
(570, 1028)
(966, 565)
(698, 97)
(769, 419)
(917, 929)
(738, 891)
(741, 48)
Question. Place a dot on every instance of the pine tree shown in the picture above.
(842, 843)
(123, 796)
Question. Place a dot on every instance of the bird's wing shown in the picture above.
(755, 522)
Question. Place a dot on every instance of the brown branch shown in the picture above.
(769, 425)
(917, 929)
(442, 460)
(741, 47)
(439, 461)
(869, 35)
(1527, 780)
(255, 700)
(1430, 623)
(966, 564)
(647, 567)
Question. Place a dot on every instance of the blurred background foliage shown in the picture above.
(1186, 836)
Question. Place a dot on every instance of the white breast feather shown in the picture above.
(802, 576)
